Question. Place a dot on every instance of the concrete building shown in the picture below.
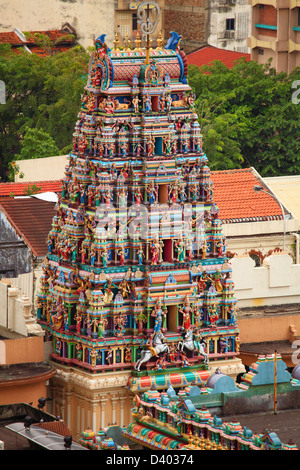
(127, 22)
(189, 18)
(253, 222)
(48, 169)
(24, 226)
(229, 23)
(275, 33)
(87, 18)
(24, 375)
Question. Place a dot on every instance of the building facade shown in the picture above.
(127, 21)
(275, 33)
(38, 15)
(190, 19)
(229, 24)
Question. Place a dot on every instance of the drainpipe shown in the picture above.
(296, 247)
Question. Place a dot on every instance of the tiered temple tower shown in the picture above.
(136, 289)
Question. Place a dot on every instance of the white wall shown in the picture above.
(16, 305)
(220, 10)
(42, 169)
(277, 282)
(89, 17)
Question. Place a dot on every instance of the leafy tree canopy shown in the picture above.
(248, 117)
(42, 93)
(246, 113)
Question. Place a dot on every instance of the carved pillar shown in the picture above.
(122, 405)
(103, 403)
(114, 401)
(67, 407)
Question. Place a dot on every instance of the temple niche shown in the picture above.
(136, 280)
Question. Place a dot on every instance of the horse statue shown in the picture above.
(158, 347)
(192, 344)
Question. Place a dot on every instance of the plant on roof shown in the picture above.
(33, 189)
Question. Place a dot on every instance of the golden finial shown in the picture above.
(137, 42)
(148, 49)
(196, 441)
(116, 42)
(159, 42)
(127, 43)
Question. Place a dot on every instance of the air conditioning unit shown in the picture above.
(229, 34)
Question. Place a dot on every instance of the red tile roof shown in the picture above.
(233, 194)
(59, 427)
(237, 200)
(32, 220)
(11, 38)
(64, 44)
(19, 189)
(206, 55)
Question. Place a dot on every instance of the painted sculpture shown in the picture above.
(136, 274)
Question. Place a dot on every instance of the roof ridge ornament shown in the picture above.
(148, 13)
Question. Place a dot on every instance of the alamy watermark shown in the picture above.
(2, 92)
(296, 94)
(140, 222)
(296, 354)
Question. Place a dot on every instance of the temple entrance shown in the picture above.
(163, 194)
(158, 146)
(168, 251)
(155, 103)
(172, 317)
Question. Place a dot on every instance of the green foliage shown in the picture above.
(247, 117)
(42, 93)
(37, 143)
(32, 189)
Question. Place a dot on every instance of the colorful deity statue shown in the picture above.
(138, 196)
(159, 315)
(150, 146)
(135, 102)
(186, 314)
(180, 248)
(173, 193)
(152, 193)
(122, 256)
(147, 103)
(156, 249)
(140, 256)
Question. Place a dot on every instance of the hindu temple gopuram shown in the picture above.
(136, 289)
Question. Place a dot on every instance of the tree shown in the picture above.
(37, 143)
(42, 93)
(247, 117)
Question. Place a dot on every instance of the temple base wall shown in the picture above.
(85, 401)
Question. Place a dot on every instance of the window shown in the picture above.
(230, 24)
(298, 19)
(261, 52)
(123, 30)
(134, 22)
(7, 273)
